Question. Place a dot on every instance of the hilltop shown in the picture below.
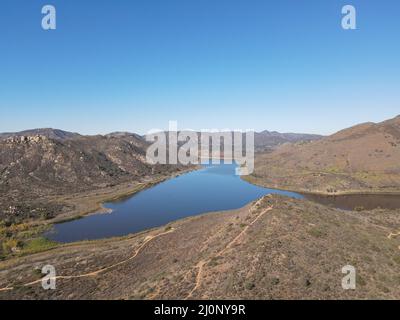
(46, 132)
(266, 140)
(363, 158)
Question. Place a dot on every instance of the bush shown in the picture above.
(38, 244)
(11, 245)
(249, 285)
(317, 233)
(46, 215)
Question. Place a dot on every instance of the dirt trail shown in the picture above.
(200, 265)
(392, 235)
(95, 273)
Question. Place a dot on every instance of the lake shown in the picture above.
(213, 188)
(361, 201)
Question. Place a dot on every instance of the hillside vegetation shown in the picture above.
(363, 158)
(274, 248)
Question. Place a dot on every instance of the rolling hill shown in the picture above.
(363, 158)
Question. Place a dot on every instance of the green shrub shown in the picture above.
(38, 244)
(249, 285)
(317, 233)
(11, 245)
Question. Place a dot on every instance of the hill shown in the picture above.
(275, 248)
(363, 158)
(270, 139)
(46, 132)
(48, 162)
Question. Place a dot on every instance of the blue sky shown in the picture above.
(241, 64)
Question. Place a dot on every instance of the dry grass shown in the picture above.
(294, 251)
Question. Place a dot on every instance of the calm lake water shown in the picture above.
(213, 188)
(362, 201)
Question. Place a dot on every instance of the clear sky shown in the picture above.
(133, 65)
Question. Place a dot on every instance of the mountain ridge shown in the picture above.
(264, 140)
(47, 132)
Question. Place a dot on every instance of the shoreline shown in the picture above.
(322, 193)
(95, 202)
(87, 204)
(121, 238)
(228, 235)
(111, 195)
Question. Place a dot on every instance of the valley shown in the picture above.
(146, 233)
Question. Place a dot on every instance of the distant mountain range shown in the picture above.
(262, 140)
(47, 132)
(363, 158)
(270, 139)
